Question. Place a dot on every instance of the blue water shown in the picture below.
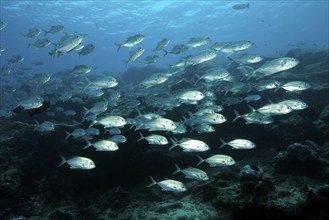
(273, 26)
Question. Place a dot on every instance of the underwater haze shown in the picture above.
(164, 110)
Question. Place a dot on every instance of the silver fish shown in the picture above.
(78, 163)
(217, 160)
(192, 173)
(131, 41)
(169, 185)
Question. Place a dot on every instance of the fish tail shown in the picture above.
(177, 169)
(68, 135)
(237, 115)
(174, 143)
(251, 108)
(126, 62)
(63, 160)
(118, 45)
(86, 111)
(153, 182)
(223, 143)
(88, 143)
(166, 52)
(92, 123)
(200, 160)
(37, 125)
(141, 138)
(277, 88)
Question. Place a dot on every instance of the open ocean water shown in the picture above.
(164, 110)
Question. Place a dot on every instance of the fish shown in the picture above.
(294, 86)
(162, 44)
(254, 118)
(192, 173)
(76, 133)
(266, 85)
(177, 49)
(91, 132)
(110, 121)
(209, 118)
(159, 124)
(118, 138)
(31, 102)
(67, 44)
(295, 104)
(134, 54)
(150, 59)
(240, 6)
(103, 145)
(277, 65)
(3, 25)
(237, 46)
(215, 73)
(77, 162)
(5, 71)
(153, 80)
(114, 131)
(197, 42)
(32, 32)
(40, 43)
(54, 29)
(204, 128)
(275, 109)
(45, 126)
(252, 98)
(87, 49)
(190, 96)
(131, 41)
(201, 57)
(96, 109)
(2, 49)
(154, 139)
(218, 46)
(217, 160)
(246, 59)
(189, 145)
(81, 69)
(15, 59)
(105, 82)
(168, 185)
(69, 113)
(239, 144)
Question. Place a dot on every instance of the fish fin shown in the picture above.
(174, 143)
(166, 52)
(86, 111)
(92, 123)
(237, 115)
(37, 125)
(277, 88)
(88, 143)
(177, 169)
(141, 138)
(68, 135)
(153, 182)
(223, 143)
(200, 160)
(63, 160)
(251, 108)
(118, 45)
